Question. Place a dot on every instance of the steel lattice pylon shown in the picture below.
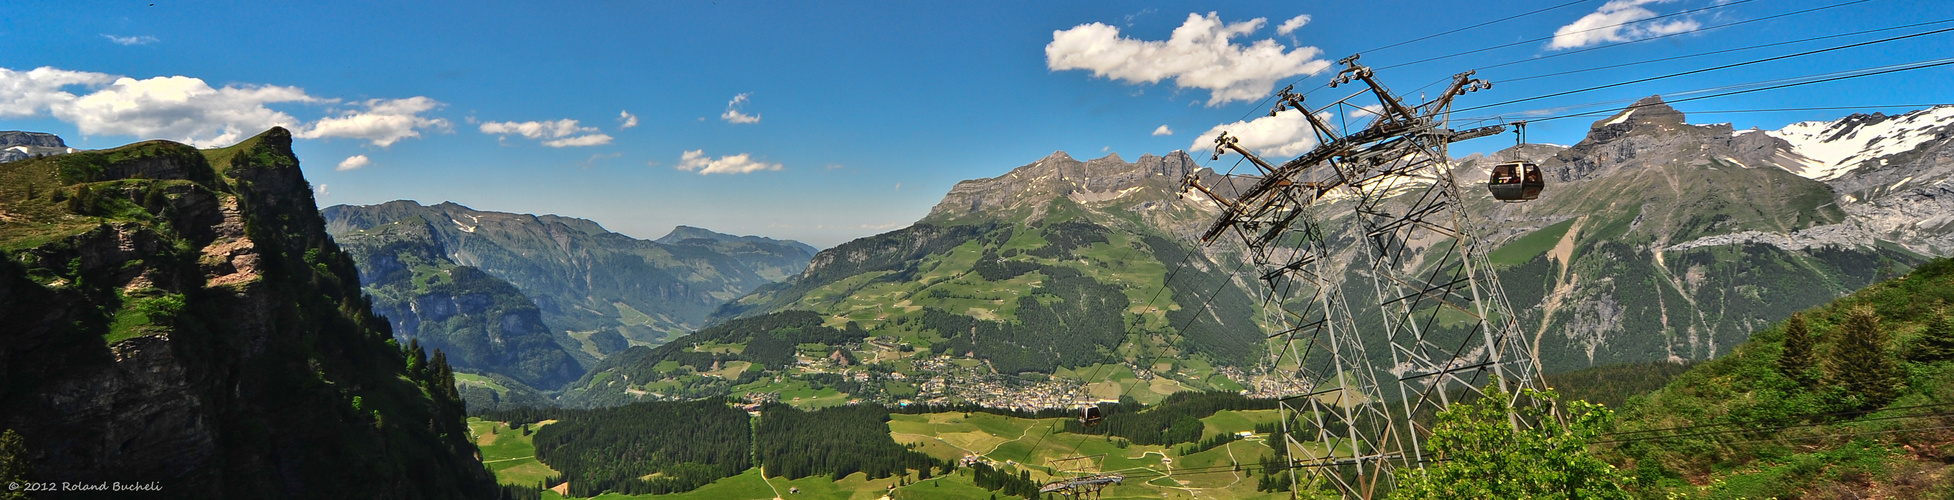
(1441, 312)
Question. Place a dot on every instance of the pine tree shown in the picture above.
(1934, 344)
(1861, 359)
(1796, 362)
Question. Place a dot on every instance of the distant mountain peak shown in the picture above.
(1646, 114)
(1059, 175)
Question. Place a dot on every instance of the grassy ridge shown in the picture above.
(1739, 427)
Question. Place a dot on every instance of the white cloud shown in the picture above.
(1285, 134)
(321, 192)
(561, 133)
(733, 114)
(626, 120)
(1163, 130)
(579, 141)
(1197, 55)
(131, 40)
(382, 123)
(26, 93)
(189, 110)
(696, 161)
(179, 108)
(1290, 26)
(353, 163)
(1600, 26)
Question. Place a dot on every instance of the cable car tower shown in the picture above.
(1375, 201)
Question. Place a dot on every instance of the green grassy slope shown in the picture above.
(1738, 427)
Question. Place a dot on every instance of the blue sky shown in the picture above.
(855, 117)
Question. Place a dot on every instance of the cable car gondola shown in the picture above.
(1089, 415)
(1519, 180)
(1516, 181)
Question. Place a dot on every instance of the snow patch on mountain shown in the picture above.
(1827, 150)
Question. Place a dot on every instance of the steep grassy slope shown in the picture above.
(180, 316)
(1742, 427)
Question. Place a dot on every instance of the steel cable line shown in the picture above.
(1292, 83)
(1713, 68)
(1495, 21)
(1679, 33)
(1701, 54)
(1757, 87)
(1558, 35)
(1807, 416)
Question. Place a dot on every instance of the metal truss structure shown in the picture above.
(1375, 199)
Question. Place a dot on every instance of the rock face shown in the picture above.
(1894, 175)
(179, 316)
(41, 139)
(585, 279)
(485, 324)
(1659, 239)
(16, 145)
(1030, 186)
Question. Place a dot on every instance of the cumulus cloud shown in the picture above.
(189, 110)
(1163, 130)
(1199, 54)
(321, 192)
(1290, 26)
(382, 122)
(1601, 26)
(26, 93)
(733, 114)
(353, 163)
(1285, 134)
(626, 120)
(559, 133)
(697, 161)
(178, 108)
(131, 40)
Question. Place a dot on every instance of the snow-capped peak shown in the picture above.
(1827, 150)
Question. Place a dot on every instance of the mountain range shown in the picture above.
(590, 291)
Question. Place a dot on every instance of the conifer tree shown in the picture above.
(1936, 343)
(1861, 360)
(1796, 362)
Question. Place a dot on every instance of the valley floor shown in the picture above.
(1011, 444)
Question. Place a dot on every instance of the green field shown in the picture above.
(508, 453)
(1012, 444)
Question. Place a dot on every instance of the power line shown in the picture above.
(1715, 68)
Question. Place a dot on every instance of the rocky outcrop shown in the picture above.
(40, 139)
(1098, 180)
(166, 323)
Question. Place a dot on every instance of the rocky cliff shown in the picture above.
(180, 316)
